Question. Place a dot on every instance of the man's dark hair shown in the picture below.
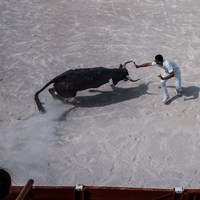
(159, 58)
(5, 183)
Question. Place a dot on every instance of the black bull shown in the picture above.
(70, 82)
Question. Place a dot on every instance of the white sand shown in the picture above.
(123, 136)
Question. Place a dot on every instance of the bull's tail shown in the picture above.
(37, 100)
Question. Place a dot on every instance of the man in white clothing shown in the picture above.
(171, 70)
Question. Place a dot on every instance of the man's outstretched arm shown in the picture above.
(143, 65)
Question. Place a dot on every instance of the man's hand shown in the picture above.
(135, 65)
(171, 74)
(160, 77)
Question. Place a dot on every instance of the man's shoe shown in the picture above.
(177, 92)
(165, 99)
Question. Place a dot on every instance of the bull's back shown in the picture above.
(81, 79)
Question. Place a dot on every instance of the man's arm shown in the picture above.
(171, 74)
(143, 65)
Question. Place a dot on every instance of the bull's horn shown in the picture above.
(131, 79)
(124, 65)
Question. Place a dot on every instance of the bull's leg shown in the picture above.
(52, 92)
(56, 96)
(66, 94)
(69, 96)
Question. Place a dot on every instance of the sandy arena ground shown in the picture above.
(120, 136)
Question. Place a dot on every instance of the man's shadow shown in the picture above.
(104, 98)
(190, 93)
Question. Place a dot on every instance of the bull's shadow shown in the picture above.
(189, 93)
(116, 95)
(104, 98)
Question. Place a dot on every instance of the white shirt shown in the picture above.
(168, 65)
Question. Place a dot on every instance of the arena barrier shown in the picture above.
(82, 192)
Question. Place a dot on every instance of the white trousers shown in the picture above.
(177, 78)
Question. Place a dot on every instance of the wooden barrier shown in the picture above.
(191, 194)
(97, 193)
(112, 193)
(51, 193)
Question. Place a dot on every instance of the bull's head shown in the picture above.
(123, 75)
